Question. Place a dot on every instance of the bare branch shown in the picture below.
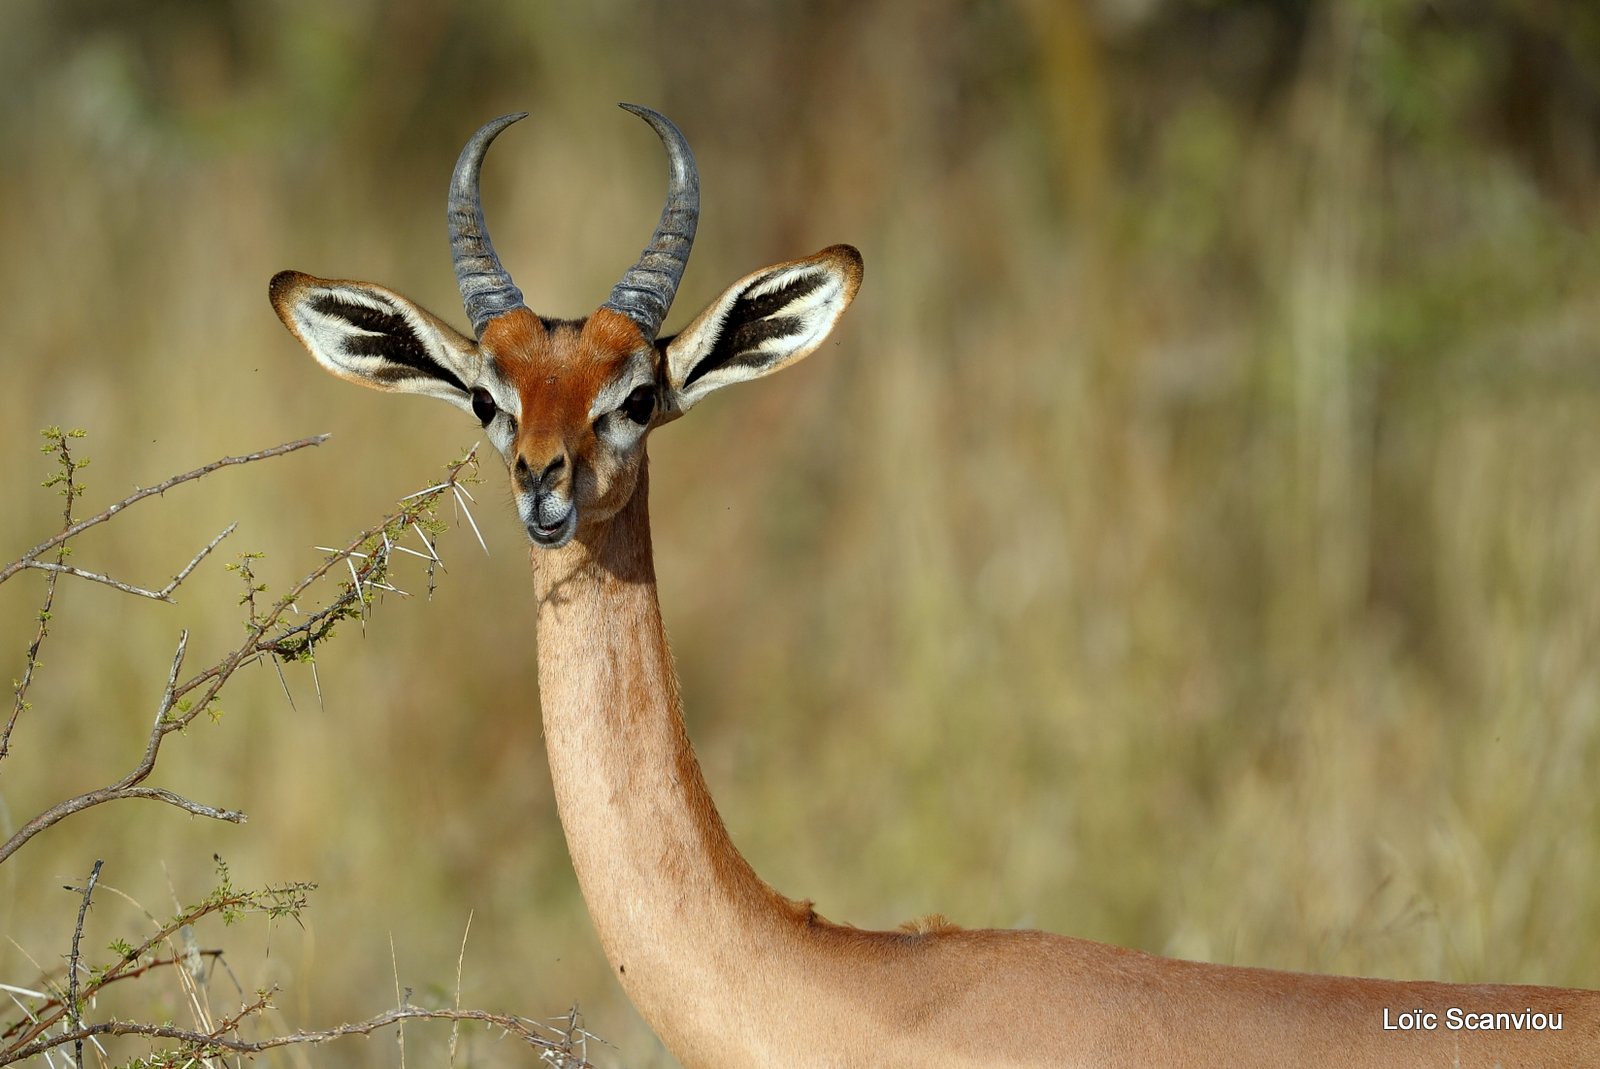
(62, 810)
(66, 478)
(74, 529)
(172, 680)
(183, 574)
(72, 962)
(127, 787)
(199, 809)
(19, 696)
(70, 490)
(164, 594)
(96, 577)
(223, 1038)
(152, 745)
(267, 637)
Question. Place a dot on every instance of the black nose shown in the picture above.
(546, 479)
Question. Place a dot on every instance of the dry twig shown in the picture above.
(28, 559)
(267, 637)
(52, 1013)
(563, 1051)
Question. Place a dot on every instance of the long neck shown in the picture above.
(729, 973)
(672, 899)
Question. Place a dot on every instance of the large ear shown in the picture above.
(765, 321)
(374, 337)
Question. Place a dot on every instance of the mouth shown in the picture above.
(553, 535)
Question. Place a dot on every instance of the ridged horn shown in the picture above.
(486, 288)
(645, 293)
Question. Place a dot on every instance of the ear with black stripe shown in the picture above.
(372, 336)
(765, 321)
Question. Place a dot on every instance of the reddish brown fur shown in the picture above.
(518, 341)
(557, 369)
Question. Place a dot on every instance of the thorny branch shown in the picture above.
(58, 442)
(285, 901)
(561, 1043)
(268, 635)
(563, 1051)
(184, 959)
(56, 1019)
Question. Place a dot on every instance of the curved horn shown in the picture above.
(647, 288)
(486, 288)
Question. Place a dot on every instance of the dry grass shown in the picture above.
(1188, 543)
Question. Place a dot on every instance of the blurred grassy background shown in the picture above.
(1189, 541)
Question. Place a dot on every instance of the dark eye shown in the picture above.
(640, 405)
(483, 405)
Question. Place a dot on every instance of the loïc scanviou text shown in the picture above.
(1456, 1019)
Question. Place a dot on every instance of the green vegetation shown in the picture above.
(1190, 541)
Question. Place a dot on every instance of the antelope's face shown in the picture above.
(568, 403)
